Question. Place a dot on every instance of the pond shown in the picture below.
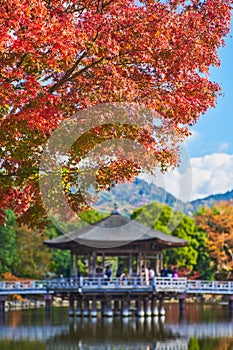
(201, 327)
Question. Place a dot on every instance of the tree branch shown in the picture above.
(107, 3)
(67, 75)
(21, 61)
(75, 75)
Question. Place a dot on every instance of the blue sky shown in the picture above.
(210, 149)
(214, 130)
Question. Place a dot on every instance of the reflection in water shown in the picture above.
(199, 326)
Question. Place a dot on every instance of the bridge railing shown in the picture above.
(22, 285)
(176, 344)
(158, 284)
(183, 285)
(169, 284)
(225, 287)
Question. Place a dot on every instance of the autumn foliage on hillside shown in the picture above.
(59, 57)
(217, 222)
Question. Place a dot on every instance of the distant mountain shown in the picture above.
(130, 196)
(210, 200)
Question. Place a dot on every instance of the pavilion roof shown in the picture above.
(115, 230)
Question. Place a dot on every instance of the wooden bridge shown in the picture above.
(89, 284)
(116, 296)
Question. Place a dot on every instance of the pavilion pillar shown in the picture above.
(230, 303)
(144, 260)
(125, 307)
(71, 264)
(147, 306)
(161, 261)
(107, 307)
(48, 302)
(79, 306)
(93, 264)
(93, 307)
(77, 272)
(103, 262)
(102, 306)
(117, 311)
(130, 265)
(157, 270)
(73, 271)
(145, 275)
(140, 308)
(161, 307)
(154, 307)
(86, 307)
(71, 305)
(2, 304)
(156, 265)
(139, 266)
(89, 265)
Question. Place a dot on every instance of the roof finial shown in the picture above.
(115, 211)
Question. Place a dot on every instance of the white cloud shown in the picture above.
(203, 176)
(212, 174)
(223, 146)
(195, 136)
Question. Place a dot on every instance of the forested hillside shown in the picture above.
(210, 200)
(130, 196)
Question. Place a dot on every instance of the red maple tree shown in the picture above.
(58, 57)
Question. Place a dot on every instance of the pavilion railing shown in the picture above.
(97, 282)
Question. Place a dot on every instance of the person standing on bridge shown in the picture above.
(145, 274)
(151, 274)
(175, 274)
(120, 272)
(108, 273)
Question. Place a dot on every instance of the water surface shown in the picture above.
(201, 327)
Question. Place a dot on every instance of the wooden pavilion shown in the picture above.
(116, 236)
